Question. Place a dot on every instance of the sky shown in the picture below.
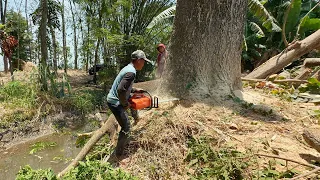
(19, 5)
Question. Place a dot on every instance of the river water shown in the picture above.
(56, 158)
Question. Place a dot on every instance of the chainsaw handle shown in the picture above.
(140, 91)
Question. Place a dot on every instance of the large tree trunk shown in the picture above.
(205, 54)
(44, 51)
(294, 51)
(64, 40)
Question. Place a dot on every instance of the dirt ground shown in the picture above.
(278, 133)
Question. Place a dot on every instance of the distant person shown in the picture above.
(119, 95)
(161, 60)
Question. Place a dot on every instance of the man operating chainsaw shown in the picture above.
(119, 95)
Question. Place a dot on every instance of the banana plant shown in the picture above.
(255, 7)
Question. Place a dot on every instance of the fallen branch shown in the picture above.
(276, 81)
(291, 53)
(290, 81)
(307, 174)
(311, 62)
(109, 126)
(225, 134)
(291, 160)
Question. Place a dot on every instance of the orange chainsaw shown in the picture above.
(143, 100)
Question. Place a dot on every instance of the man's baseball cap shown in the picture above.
(138, 54)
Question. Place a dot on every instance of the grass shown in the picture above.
(85, 170)
(22, 104)
(210, 163)
(85, 101)
(17, 94)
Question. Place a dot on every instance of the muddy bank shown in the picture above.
(62, 122)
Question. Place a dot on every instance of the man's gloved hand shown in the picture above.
(127, 107)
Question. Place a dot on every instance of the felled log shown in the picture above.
(110, 127)
(292, 52)
(311, 62)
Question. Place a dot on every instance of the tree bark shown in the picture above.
(28, 30)
(44, 51)
(88, 50)
(311, 62)
(3, 13)
(11, 68)
(294, 51)
(5, 64)
(205, 54)
(54, 44)
(74, 38)
(96, 57)
(64, 40)
(110, 127)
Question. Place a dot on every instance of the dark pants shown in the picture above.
(122, 117)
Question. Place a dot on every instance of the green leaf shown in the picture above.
(168, 13)
(260, 12)
(82, 163)
(313, 81)
(256, 28)
(308, 24)
(293, 16)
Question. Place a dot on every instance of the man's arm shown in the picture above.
(123, 88)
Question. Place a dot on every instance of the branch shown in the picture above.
(284, 38)
(307, 174)
(291, 160)
(290, 81)
(276, 81)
